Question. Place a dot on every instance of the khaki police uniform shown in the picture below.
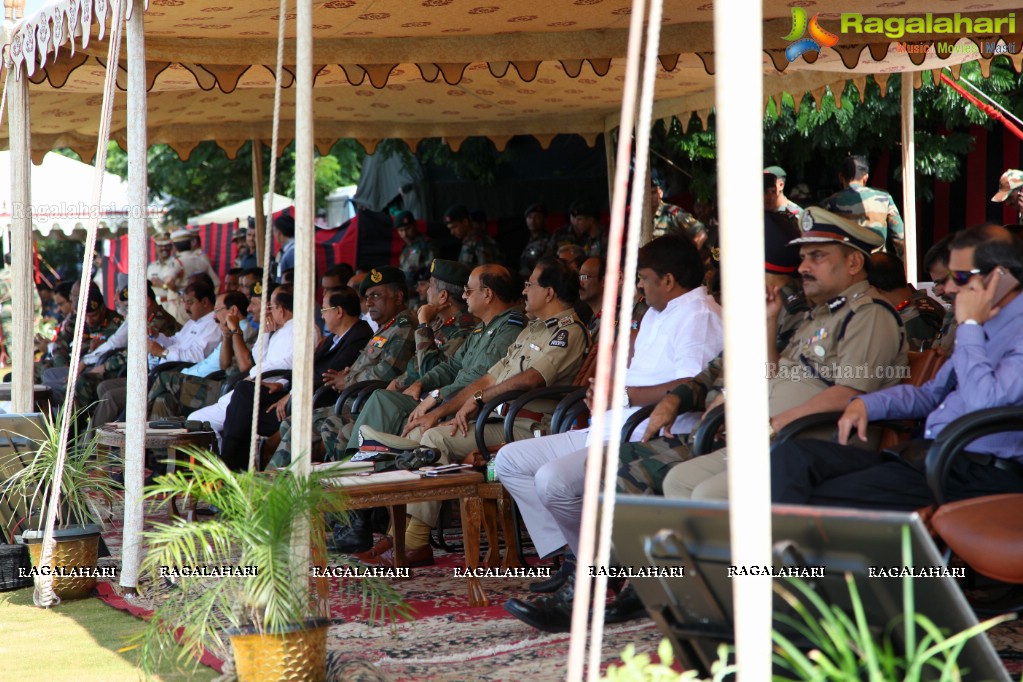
(196, 261)
(555, 348)
(171, 271)
(387, 411)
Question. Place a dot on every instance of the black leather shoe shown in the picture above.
(357, 536)
(556, 580)
(550, 614)
(626, 606)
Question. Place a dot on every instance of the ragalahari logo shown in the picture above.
(818, 36)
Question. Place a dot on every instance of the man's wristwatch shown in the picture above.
(478, 397)
(969, 321)
(628, 401)
(435, 394)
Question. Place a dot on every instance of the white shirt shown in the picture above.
(117, 341)
(279, 351)
(674, 343)
(193, 342)
(372, 325)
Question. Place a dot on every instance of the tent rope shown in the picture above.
(43, 594)
(268, 236)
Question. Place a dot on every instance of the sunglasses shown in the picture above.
(961, 277)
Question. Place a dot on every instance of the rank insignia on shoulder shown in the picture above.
(836, 303)
(565, 321)
(551, 321)
(478, 330)
(517, 319)
(404, 321)
(560, 339)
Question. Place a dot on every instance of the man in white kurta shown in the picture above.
(680, 333)
(199, 335)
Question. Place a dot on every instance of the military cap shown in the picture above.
(385, 275)
(180, 235)
(161, 239)
(780, 257)
(422, 275)
(776, 171)
(95, 301)
(820, 225)
(450, 271)
(240, 233)
(535, 208)
(1010, 180)
(456, 212)
(257, 289)
(122, 295)
(372, 440)
(404, 218)
(583, 208)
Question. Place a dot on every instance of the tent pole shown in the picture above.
(609, 155)
(257, 194)
(738, 92)
(305, 264)
(909, 177)
(138, 239)
(22, 315)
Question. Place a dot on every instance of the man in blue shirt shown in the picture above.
(284, 232)
(985, 370)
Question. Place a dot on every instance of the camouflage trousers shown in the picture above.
(282, 457)
(174, 394)
(643, 466)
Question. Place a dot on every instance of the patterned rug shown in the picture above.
(447, 640)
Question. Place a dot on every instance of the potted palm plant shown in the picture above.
(82, 479)
(236, 573)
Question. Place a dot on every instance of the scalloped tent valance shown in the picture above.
(422, 68)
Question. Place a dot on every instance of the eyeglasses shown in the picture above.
(961, 277)
(323, 310)
(217, 310)
(469, 292)
(586, 278)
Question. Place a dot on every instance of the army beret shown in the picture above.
(1010, 180)
(456, 212)
(535, 208)
(776, 171)
(122, 295)
(403, 218)
(95, 300)
(161, 240)
(257, 289)
(779, 256)
(450, 271)
(384, 275)
(820, 226)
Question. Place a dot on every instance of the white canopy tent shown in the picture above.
(240, 210)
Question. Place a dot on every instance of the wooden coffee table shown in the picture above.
(397, 495)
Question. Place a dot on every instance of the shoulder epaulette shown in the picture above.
(517, 319)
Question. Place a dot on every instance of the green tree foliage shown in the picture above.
(208, 179)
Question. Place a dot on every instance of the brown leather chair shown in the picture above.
(986, 533)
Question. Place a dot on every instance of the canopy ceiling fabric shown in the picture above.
(411, 69)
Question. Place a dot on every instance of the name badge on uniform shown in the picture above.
(560, 339)
(378, 341)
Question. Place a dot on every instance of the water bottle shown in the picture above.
(491, 470)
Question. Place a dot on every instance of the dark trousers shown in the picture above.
(238, 423)
(823, 473)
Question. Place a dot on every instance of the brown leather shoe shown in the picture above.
(414, 558)
(379, 548)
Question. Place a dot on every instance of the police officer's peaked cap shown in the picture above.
(450, 271)
(1010, 180)
(161, 240)
(240, 233)
(181, 235)
(820, 226)
(403, 218)
(384, 275)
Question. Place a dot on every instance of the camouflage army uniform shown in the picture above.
(671, 219)
(870, 207)
(534, 251)
(479, 249)
(172, 271)
(388, 411)
(382, 359)
(416, 257)
(175, 394)
(923, 318)
(849, 331)
(6, 311)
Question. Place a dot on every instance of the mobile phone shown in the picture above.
(1006, 284)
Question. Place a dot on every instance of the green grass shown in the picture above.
(77, 640)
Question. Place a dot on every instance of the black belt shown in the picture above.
(987, 460)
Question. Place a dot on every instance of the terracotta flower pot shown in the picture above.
(77, 549)
(298, 653)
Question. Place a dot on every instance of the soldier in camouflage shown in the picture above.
(417, 254)
(539, 240)
(871, 208)
(477, 246)
(671, 219)
(774, 193)
(383, 358)
(922, 316)
(584, 229)
(1009, 191)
